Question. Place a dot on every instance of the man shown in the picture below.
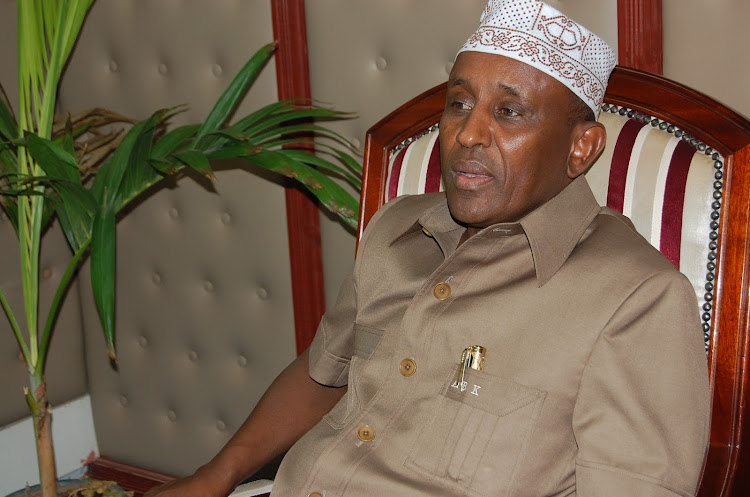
(508, 337)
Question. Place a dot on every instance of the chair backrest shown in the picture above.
(678, 164)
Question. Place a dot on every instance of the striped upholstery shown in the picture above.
(648, 172)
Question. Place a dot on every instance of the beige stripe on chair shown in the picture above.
(696, 217)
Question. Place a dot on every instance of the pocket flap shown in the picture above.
(489, 393)
(366, 339)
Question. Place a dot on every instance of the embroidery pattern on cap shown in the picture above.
(547, 39)
(539, 51)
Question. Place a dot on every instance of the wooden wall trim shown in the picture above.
(303, 223)
(640, 36)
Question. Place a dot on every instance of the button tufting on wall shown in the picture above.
(124, 401)
(192, 355)
(208, 286)
(143, 341)
(47, 273)
(381, 63)
(217, 70)
(174, 213)
(162, 69)
(156, 278)
(242, 361)
(113, 66)
(19, 356)
(171, 415)
(221, 425)
(226, 218)
(356, 142)
(448, 68)
(262, 293)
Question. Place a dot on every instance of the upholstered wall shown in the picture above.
(204, 311)
(370, 57)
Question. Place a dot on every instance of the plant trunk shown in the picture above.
(42, 416)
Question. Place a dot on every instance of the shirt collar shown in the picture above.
(552, 230)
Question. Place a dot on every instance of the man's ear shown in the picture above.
(589, 140)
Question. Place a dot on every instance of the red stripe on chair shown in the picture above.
(395, 175)
(432, 179)
(674, 200)
(620, 160)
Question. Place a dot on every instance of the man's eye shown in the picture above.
(506, 112)
(460, 105)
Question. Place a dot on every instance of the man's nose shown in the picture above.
(475, 130)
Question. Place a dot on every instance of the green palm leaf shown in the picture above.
(328, 192)
(134, 147)
(197, 161)
(231, 96)
(103, 270)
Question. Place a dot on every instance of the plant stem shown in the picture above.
(16, 329)
(42, 417)
(47, 333)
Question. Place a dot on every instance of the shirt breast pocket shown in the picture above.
(475, 438)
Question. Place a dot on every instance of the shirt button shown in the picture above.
(366, 433)
(315, 494)
(408, 367)
(426, 231)
(442, 291)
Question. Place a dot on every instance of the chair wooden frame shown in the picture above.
(727, 466)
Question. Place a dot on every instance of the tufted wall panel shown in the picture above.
(204, 310)
(370, 57)
(204, 313)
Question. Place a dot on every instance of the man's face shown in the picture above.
(505, 139)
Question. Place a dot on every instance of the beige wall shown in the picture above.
(706, 47)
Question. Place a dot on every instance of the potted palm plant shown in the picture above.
(42, 178)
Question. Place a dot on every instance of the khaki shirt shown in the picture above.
(594, 382)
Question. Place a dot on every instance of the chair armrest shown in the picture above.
(253, 489)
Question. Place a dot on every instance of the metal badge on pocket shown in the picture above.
(473, 358)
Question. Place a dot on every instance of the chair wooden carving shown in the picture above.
(678, 163)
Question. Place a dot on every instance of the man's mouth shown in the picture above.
(470, 179)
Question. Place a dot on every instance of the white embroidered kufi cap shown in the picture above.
(532, 32)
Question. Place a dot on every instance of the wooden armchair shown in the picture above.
(678, 163)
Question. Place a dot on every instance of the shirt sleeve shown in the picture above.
(333, 346)
(642, 414)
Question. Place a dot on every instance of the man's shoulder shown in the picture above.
(399, 214)
(618, 241)
(412, 206)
